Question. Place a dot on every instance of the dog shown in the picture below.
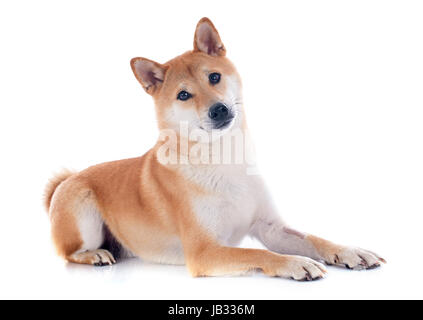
(175, 206)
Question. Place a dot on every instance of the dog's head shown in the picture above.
(201, 87)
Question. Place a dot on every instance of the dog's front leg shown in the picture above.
(278, 237)
(204, 257)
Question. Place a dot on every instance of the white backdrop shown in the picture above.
(333, 94)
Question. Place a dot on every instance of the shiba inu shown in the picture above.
(182, 203)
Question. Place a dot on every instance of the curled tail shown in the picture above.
(52, 184)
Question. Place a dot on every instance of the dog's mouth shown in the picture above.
(224, 124)
(227, 123)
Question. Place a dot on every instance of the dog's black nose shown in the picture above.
(219, 113)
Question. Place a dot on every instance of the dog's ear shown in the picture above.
(149, 73)
(207, 39)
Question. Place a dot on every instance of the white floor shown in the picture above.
(41, 275)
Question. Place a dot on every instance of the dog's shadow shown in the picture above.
(124, 269)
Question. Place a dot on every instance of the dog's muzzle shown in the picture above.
(220, 115)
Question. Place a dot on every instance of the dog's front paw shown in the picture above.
(302, 269)
(355, 258)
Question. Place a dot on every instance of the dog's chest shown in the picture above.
(227, 209)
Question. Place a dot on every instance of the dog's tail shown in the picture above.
(52, 185)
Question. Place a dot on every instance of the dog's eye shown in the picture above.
(214, 78)
(183, 95)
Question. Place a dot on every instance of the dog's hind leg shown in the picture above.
(78, 229)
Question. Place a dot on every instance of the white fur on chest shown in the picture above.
(228, 210)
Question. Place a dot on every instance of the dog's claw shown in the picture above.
(336, 260)
(104, 259)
